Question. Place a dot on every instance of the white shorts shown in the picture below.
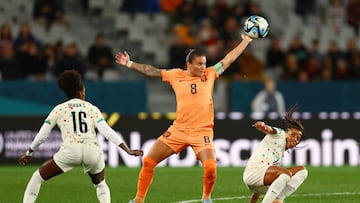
(254, 179)
(89, 156)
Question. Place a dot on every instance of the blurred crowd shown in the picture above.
(214, 27)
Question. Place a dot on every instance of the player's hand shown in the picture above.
(259, 125)
(24, 159)
(246, 37)
(122, 58)
(136, 152)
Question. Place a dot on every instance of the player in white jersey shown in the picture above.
(77, 120)
(263, 172)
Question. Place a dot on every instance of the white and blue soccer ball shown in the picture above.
(256, 27)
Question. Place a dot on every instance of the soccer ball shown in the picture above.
(256, 27)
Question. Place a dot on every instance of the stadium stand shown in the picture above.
(146, 36)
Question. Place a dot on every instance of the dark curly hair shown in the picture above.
(292, 123)
(71, 83)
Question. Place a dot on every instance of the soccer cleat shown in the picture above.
(206, 201)
(132, 201)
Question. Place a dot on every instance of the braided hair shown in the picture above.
(293, 123)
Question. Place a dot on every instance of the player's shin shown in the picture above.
(209, 177)
(145, 177)
(294, 183)
(103, 192)
(275, 188)
(33, 188)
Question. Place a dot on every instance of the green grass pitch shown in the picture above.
(177, 185)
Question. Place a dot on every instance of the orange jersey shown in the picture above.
(195, 108)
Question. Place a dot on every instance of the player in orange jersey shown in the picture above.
(194, 122)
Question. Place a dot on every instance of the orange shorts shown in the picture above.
(180, 138)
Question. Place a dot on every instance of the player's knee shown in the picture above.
(303, 173)
(149, 163)
(36, 175)
(285, 172)
(100, 184)
(210, 169)
(284, 178)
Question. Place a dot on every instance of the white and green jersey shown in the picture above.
(270, 150)
(77, 120)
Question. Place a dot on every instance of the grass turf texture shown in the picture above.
(181, 185)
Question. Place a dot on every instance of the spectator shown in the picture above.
(223, 9)
(291, 68)
(341, 71)
(85, 6)
(32, 63)
(299, 50)
(269, 99)
(312, 68)
(305, 7)
(356, 67)
(48, 53)
(25, 36)
(353, 14)
(336, 14)
(351, 52)
(59, 50)
(70, 60)
(151, 6)
(238, 11)
(327, 71)
(177, 50)
(6, 37)
(170, 6)
(214, 54)
(184, 31)
(214, 17)
(275, 58)
(314, 50)
(183, 15)
(230, 33)
(334, 53)
(208, 34)
(250, 67)
(132, 6)
(100, 55)
(9, 65)
(253, 8)
(200, 7)
(47, 12)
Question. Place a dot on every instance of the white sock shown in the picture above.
(293, 184)
(103, 192)
(275, 188)
(33, 187)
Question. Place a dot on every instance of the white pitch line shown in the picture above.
(295, 195)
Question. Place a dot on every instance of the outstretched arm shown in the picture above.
(234, 53)
(262, 127)
(40, 137)
(148, 70)
(111, 135)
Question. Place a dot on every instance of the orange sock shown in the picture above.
(209, 177)
(145, 177)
